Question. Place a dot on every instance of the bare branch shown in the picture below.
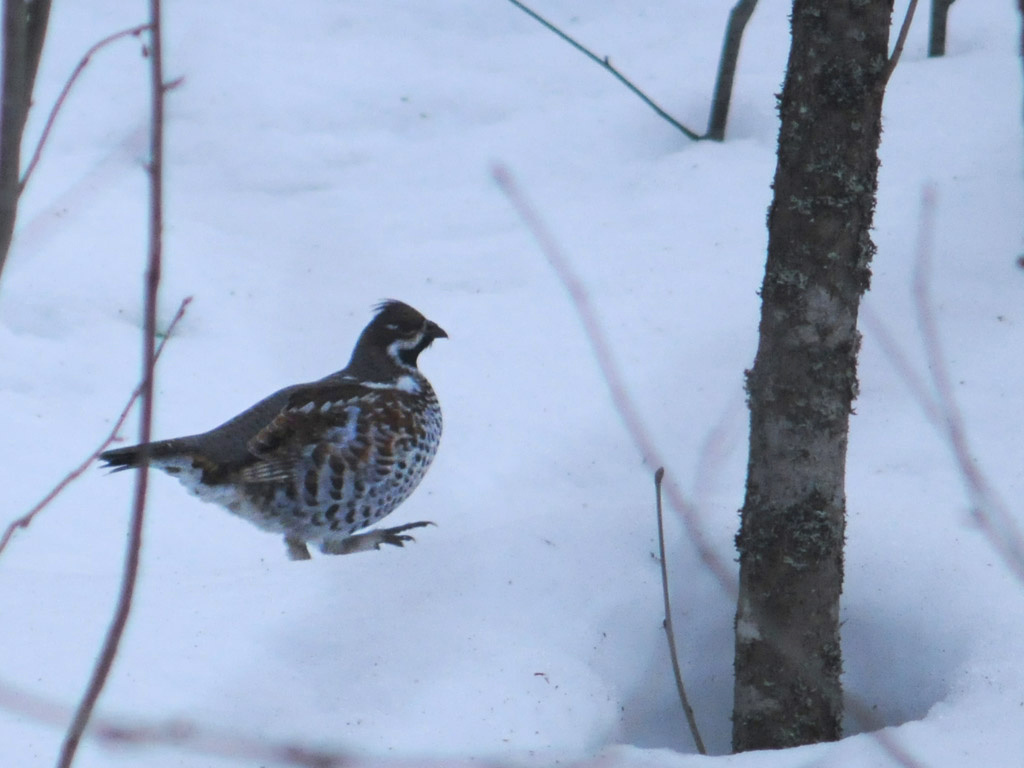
(937, 33)
(131, 567)
(59, 103)
(613, 378)
(26, 520)
(901, 40)
(670, 634)
(607, 65)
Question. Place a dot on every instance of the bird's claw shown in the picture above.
(396, 536)
(364, 542)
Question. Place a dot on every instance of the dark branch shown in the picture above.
(606, 64)
(937, 33)
(670, 634)
(738, 18)
(901, 40)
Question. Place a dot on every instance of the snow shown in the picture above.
(323, 156)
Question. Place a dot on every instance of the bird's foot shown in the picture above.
(363, 542)
(297, 549)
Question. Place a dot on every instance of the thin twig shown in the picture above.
(613, 378)
(901, 40)
(607, 65)
(152, 281)
(59, 103)
(185, 735)
(26, 520)
(670, 634)
(717, 444)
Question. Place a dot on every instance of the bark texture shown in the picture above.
(24, 30)
(802, 385)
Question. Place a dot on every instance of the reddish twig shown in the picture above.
(716, 446)
(108, 652)
(26, 520)
(181, 734)
(59, 103)
(616, 385)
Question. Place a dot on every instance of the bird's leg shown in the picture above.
(363, 542)
(297, 549)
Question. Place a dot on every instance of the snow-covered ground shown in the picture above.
(322, 156)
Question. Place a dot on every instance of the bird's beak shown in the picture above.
(435, 331)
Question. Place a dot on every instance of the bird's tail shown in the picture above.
(118, 459)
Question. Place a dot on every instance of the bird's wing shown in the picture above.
(314, 414)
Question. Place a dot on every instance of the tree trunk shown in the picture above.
(937, 30)
(24, 29)
(788, 658)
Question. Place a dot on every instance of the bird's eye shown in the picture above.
(392, 326)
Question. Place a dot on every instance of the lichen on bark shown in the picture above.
(803, 382)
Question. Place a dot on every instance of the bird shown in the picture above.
(321, 461)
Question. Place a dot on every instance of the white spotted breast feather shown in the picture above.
(343, 454)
